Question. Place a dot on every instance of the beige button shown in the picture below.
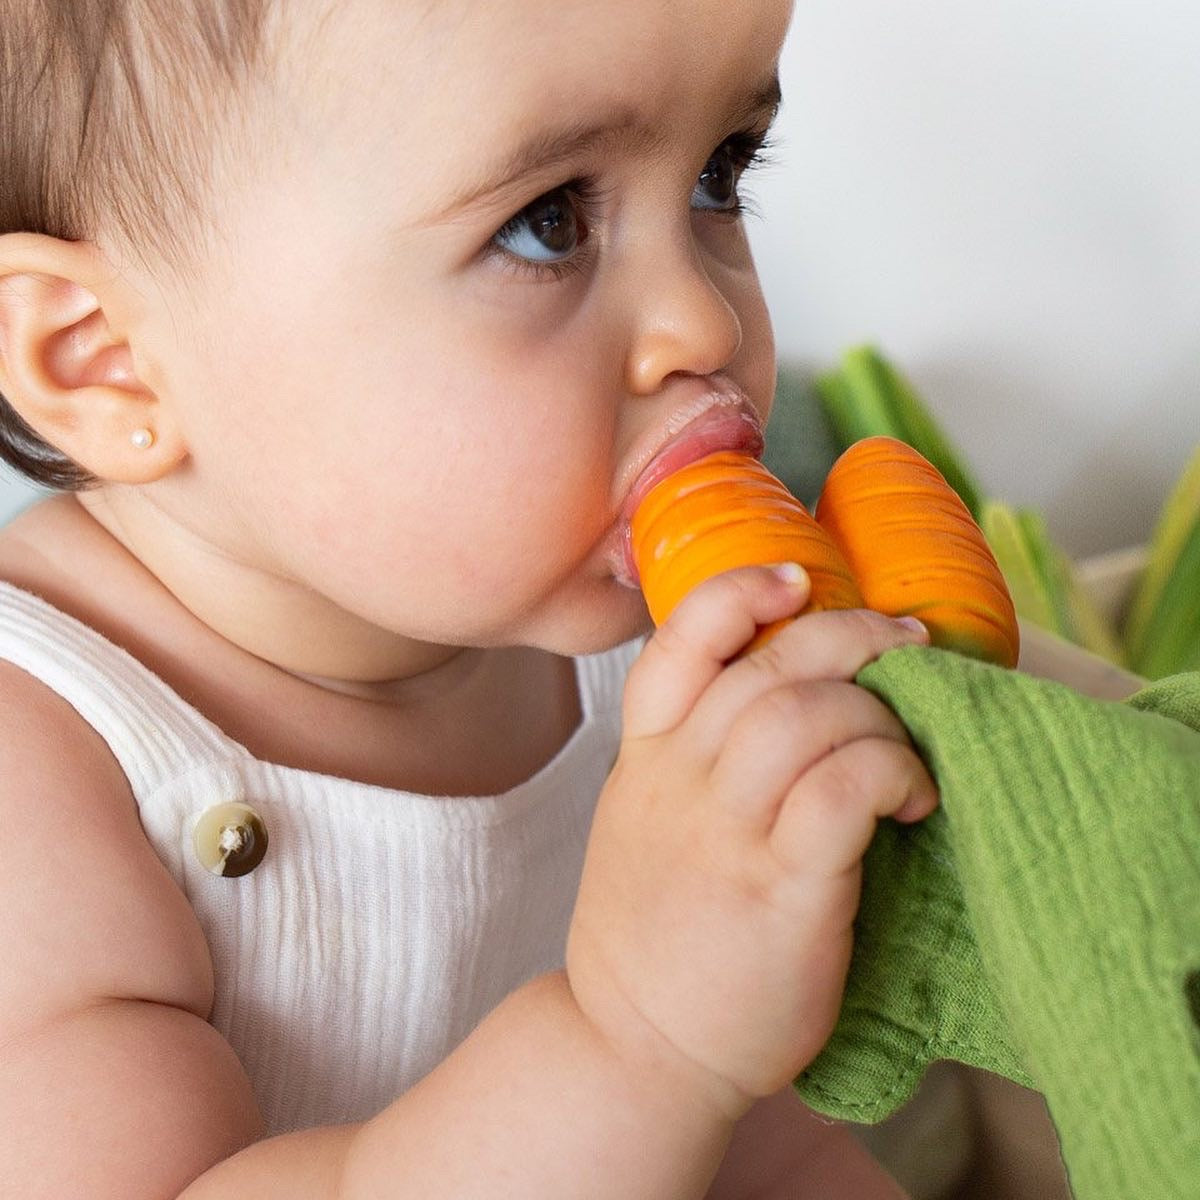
(230, 839)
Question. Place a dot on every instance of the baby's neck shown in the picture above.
(475, 723)
(264, 613)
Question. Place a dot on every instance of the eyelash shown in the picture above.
(749, 148)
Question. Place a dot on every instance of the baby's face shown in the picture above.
(486, 258)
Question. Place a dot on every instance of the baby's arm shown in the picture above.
(704, 964)
(112, 1082)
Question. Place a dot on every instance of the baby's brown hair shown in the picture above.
(109, 110)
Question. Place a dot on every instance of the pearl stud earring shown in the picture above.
(142, 439)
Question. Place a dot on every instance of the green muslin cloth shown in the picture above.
(1043, 924)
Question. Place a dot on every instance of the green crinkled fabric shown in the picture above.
(1044, 924)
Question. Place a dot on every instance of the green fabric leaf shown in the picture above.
(1044, 924)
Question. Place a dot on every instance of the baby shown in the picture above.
(347, 335)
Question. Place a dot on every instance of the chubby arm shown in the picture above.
(704, 963)
(112, 1083)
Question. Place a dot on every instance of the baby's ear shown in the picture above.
(66, 366)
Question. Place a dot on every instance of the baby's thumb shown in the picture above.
(710, 626)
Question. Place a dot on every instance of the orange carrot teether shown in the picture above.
(890, 534)
(724, 511)
(916, 550)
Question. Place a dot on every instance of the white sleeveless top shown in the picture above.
(381, 926)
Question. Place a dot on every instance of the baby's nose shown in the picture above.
(684, 323)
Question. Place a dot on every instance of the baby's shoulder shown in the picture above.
(87, 911)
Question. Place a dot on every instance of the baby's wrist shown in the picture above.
(648, 1056)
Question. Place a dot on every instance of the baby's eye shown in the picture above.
(547, 231)
(717, 188)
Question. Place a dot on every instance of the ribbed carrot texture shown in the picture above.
(889, 534)
(726, 511)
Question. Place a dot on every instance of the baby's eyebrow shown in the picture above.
(551, 147)
(557, 145)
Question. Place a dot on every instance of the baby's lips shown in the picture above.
(737, 428)
(723, 427)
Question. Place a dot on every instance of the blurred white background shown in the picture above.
(1006, 198)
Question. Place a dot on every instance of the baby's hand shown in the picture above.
(713, 927)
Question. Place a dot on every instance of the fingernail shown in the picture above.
(913, 624)
(789, 572)
(914, 810)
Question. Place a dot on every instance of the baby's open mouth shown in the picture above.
(725, 425)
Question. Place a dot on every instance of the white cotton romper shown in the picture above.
(382, 925)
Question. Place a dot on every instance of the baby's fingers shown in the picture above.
(828, 819)
(783, 733)
(827, 645)
(693, 646)
(818, 646)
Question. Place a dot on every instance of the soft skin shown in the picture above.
(382, 500)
